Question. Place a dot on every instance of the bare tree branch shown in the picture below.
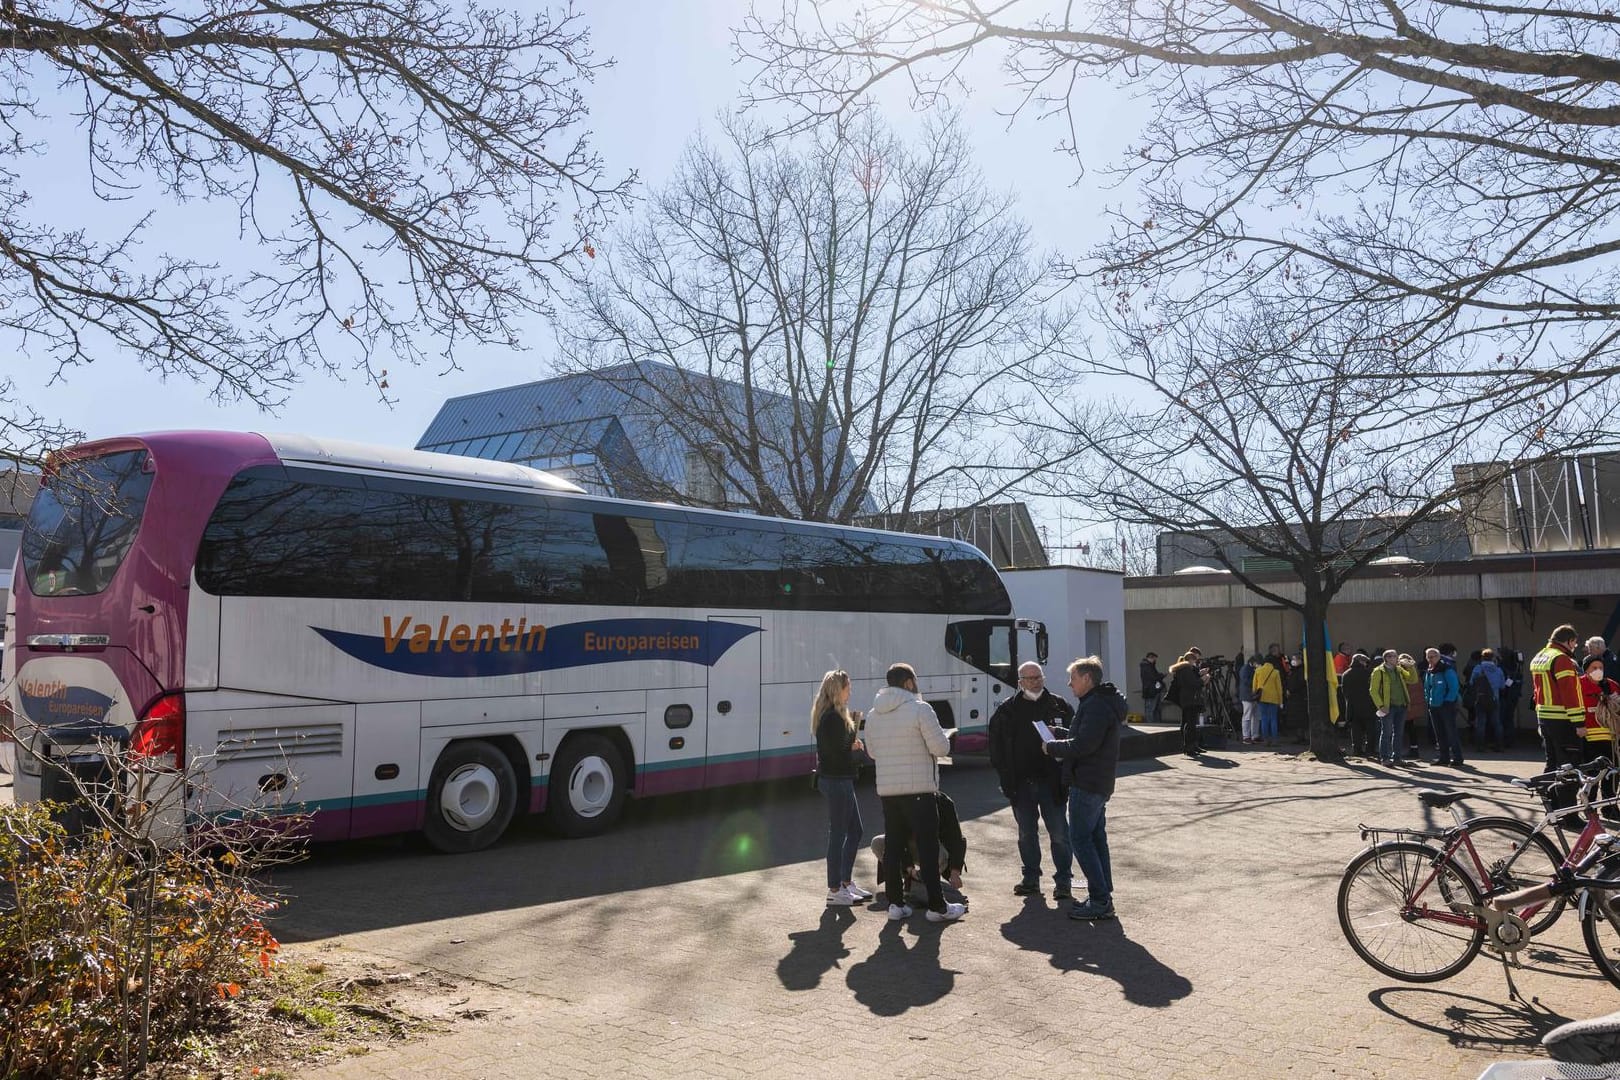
(844, 324)
(412, 172)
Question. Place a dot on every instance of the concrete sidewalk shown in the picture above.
(1226, 959)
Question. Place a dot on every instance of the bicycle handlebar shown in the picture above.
(1593, 769)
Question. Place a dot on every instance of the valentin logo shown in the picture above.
(49, 704)
(459, 650)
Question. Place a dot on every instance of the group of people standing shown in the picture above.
(1055, 763)
(1382, 701)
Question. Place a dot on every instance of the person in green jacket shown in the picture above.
(1391, 696)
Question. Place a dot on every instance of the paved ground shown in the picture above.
(693, 942)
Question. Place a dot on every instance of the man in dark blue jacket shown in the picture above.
(1029, 779)
(1089, 756)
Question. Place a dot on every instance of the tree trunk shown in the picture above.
(1324, 737)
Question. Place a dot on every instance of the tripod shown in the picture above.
(1218, 709)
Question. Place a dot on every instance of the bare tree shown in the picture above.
(411, 172)
(1455, 158)
(842, 323)
(1286, 439)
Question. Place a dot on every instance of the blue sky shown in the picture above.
(674, 73)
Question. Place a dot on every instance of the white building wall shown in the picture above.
(1065, 598)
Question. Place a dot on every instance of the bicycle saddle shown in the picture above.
(1440, 799)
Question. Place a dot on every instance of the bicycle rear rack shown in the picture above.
(1378, 833)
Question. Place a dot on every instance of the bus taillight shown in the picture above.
(160, 736)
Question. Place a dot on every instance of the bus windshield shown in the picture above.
(83, 522)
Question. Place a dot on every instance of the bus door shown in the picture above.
(734, 704)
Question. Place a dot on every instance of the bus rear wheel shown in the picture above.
(587, 788)
(471, 797)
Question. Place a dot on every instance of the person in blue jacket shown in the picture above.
(1441, 692)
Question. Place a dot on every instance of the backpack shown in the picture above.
(1483, 694)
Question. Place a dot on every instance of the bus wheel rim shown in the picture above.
(470, 798)
(590, 786)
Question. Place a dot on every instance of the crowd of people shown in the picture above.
(1386, 697)
(1055, 763)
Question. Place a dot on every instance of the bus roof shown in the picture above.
(311, 450)
(344, 455)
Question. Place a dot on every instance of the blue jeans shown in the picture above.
(1151, 703)
(1391, 727)
(843, 828)
(1033, 799)
(1268, 720)
(1446, 745)
(1088, 835)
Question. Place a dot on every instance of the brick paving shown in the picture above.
(693, 941)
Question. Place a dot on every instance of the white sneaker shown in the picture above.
(840, 898)
(898, 912)
(951, 913)
(857, 892)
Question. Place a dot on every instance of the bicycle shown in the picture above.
(1411, 910)
(1508, 854)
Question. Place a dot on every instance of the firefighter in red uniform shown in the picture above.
(1560, 707)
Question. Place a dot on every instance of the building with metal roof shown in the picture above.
(1538, 548)
(605, 431)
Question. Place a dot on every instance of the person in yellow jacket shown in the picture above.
(1560, 709)
(1268, 691)
(1391, 697)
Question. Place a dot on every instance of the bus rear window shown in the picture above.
(83, 522)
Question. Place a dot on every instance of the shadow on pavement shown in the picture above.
(815, 952)
(1206, 760)
(897, 977)
(1096, 948)
(346, 888)
(1468, 1021)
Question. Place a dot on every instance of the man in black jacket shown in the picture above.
(1089, 752)
(1029, 779)
(1152, 687)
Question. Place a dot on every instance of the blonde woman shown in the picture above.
(837, 732)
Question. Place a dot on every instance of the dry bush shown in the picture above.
(115, 948)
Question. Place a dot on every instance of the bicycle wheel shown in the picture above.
(1600, 926)
(1386, 911)
(1516, 857)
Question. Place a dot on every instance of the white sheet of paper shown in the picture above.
(1044, 732)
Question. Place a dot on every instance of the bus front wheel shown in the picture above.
(587, 787)
(471, 797)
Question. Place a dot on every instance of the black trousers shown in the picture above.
(917, 817)
(1189, 728)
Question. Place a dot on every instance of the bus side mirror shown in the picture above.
(1040, 646)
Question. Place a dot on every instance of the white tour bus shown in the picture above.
(392, 640)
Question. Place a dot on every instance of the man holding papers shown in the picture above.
(1029, 779)
(1089, 754)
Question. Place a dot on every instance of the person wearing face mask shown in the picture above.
(1029, 779)
(1596, 684)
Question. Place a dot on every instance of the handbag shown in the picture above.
(1608, 713)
